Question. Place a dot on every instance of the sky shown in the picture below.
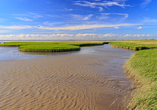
(78, 19)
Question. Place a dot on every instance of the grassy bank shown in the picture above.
(135, 45)
(52, 46)
(142, 69)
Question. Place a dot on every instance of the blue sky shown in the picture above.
(78, 19)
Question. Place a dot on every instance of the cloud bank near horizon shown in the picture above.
(92, 36)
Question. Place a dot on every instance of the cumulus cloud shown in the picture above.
(91, 36)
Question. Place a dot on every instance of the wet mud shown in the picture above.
(91, 79)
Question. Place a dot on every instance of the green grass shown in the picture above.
(52, 46)
(133, 46)
(85, 43)
(142, 69)
(48, 48)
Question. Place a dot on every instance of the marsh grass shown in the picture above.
(134, 46)
(142, 69)
(48, 48)
(51, 46)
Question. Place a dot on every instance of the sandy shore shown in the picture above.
(66, 82)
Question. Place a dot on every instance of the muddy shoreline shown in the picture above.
(89, 80)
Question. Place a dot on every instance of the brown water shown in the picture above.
(91, 79)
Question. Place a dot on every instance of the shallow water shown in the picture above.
(90, 79)
(12, 53)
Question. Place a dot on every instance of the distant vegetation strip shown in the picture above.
(142, 68)
(52, 46)
(134, 45)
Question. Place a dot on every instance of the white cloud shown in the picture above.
(106, 15)
(104, 4)
(147, 19)
(139, 28)
(145, 3)
(123, 14)
(26, 17)
(76, 27)
(82, 17)
(101, 9)
(87, 17)
(17, 27)
(52, 23)
(66, 9)
(5, 31)
(116, 27)
(34, 15)
(81, 27)
(86, 36)
(23, 19)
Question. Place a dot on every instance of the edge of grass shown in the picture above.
(133, 46)
(141, 69)
(52, 46)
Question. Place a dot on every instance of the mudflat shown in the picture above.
(93, 81)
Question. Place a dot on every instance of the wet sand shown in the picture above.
(83, 81)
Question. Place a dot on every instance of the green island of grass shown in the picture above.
(51, 46)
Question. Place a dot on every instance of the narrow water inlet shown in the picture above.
(90, 79)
